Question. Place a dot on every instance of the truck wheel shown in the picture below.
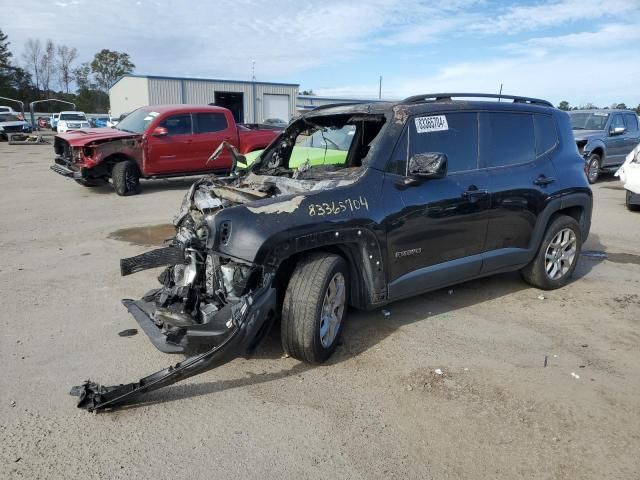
(593, 168)
(126, 178)
(557, 256)
(315, 304)
(627, 201)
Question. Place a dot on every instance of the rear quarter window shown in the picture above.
(545, 133)
(506, 139)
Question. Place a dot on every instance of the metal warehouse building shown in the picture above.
(250, 102)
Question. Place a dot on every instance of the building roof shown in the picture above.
(160, 77)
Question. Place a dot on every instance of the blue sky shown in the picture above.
(576, 50)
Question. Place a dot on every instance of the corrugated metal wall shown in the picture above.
(163, 91)
(168, 91)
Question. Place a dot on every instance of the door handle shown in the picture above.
(473, 192)
(543, 180)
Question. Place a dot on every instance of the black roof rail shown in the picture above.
(438, 97)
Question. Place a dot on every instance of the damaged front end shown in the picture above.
(206, 301)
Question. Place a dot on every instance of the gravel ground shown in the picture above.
(377, 409)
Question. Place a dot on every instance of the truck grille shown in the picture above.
(12, 128)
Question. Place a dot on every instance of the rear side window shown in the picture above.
(506, 139)
(545, 132)
(632, 122)
(454, 134)
(177, 124)
(210, 122)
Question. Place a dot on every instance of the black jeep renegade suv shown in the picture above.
(391, 200)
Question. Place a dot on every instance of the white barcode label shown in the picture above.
(434, 123)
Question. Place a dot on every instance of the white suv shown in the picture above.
(72, 121)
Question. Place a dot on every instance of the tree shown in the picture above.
(638, 109)
(31, 56)
(619, 106)
(307, 92)
(564, 105)
(81, 75)
(5, 53)
(66, 56)
(47, 66)
(108, 66)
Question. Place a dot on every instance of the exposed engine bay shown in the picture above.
(211, 300)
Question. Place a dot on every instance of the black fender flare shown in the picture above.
(577, 199)
(360, 247)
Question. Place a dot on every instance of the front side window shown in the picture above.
(617, 122)
(177, 124)
(454, 134)
(210, 122)
(506, 139)
(631, 121)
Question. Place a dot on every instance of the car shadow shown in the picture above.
(149, 187)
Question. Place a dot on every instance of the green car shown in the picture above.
(329, 146)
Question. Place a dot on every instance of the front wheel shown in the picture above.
(557, 256)
(126, 178)
(593, 168)
(315, 304)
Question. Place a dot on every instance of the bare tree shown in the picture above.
(47, 66)
(31, 56)
(66, 56)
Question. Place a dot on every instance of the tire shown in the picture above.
(630, 206)
(593, 168)
(305, 334)
(126, 178)
(90, 182)
(555, 271)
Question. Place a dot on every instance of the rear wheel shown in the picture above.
(593, 168)
(126, 178)
(315, 304)
(557, 256)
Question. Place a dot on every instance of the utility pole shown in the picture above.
(253, 89)
(380, 89)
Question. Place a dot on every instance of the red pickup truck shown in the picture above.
(157, 141)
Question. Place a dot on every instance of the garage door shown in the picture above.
(275, 106)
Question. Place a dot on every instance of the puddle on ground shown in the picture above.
(148, 236)
(615, 257)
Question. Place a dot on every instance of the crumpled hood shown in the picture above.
(581, 135)
(79, 138)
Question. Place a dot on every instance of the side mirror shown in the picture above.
(428, 165)
(613, 131)
(160, 132)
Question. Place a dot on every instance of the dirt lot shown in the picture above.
(376, 410)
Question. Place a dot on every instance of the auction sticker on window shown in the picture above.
(433, 123)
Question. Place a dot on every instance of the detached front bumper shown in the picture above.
(244, 328)
(64, 167)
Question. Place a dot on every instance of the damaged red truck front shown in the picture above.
(154, 142)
